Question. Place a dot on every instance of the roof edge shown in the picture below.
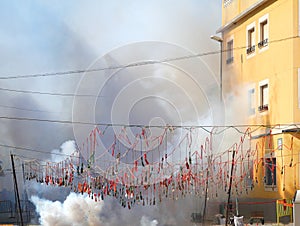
(241, 15)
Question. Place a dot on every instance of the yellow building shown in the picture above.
(261, 62)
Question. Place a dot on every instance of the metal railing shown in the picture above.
(9, 211)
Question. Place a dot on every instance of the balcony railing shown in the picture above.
(251, 49)
(263, 43)
(264, 107)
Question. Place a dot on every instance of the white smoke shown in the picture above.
(81, 210)
(76, 210)
(145, 221)
(66, 149)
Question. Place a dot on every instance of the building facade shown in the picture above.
(261, 64)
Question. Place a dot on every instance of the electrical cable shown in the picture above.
(187, 127)
(33, 150)
(137, 64)
(33, 110)
(48, 93)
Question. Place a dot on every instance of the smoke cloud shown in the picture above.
(76, 210)
(49, 37)
(66, 149)
(79, 209)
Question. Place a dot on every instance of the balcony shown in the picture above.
(263, 43)
(9, 212)
(264, 107)
(251, 49)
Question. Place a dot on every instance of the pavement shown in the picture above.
(268, 224)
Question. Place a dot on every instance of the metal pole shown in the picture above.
(221, 67)
(206, 191)
(229, 190)
(220, 40)
(16, 187)
(237, 206)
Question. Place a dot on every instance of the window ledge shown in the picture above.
(271, 188)
(263, 108)
(263, 43)
(251, 50)
(241, 15)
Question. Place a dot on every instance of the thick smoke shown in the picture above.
(80, 210)
(74, 211)
(66, 149)
(49, 37)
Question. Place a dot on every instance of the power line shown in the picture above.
(72, 95)
(48, 93)
(297, 125)
(91, 70)
(32, 110)
(137, 64)
(34, 150)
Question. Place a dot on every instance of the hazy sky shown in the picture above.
(53, 36)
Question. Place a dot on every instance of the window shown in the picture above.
(229, 52)
(263, 34)
(250, 38)
(263, 31)
(251, 101)
(279, 144)
(264, 96)
(270, 171)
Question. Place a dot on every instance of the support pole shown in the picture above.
(206, 192)
(16, 188)
(229, 190)
(221, 76)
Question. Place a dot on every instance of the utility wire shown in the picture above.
(33, 110)
(33, 150)
(282, 126)
(78, 95)
(48, 93)
(137, 64)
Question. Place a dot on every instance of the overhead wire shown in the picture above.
(72, 155)
(136, 64)
(297, 125)
(119, 67)
(34, 150)
(49, 93)
(31, 110)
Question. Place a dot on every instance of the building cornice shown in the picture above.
(241, 15)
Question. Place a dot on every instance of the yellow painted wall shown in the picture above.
(275, 63)
(230, 11)
(245, 4)
(234, 8)
(296, 59)
(278, 63)
(287, 161)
